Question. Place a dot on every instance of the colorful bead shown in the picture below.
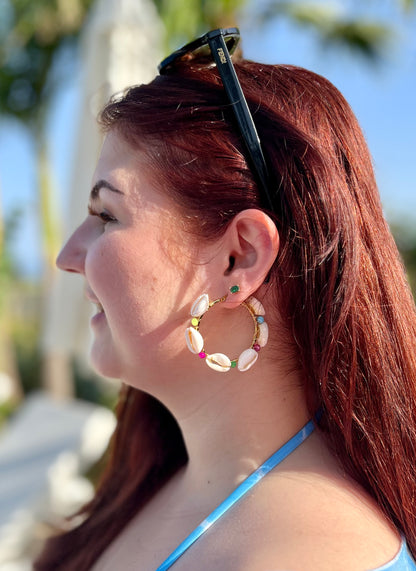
(218, 361)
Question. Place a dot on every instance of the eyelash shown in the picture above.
(104, 216)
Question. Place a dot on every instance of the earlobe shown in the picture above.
(250, 246)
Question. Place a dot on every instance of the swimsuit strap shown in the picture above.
(239, 492)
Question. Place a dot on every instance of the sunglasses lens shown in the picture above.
(231, 42)
(200, 55)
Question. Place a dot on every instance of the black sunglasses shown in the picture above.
(217, 46)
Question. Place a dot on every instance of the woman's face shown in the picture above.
(137, 264)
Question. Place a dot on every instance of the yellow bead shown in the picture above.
(194, 321)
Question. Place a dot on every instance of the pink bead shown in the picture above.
(256, 347)
(202, 355)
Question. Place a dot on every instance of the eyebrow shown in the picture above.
(95, 191)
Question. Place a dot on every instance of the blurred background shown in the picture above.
(60, 61)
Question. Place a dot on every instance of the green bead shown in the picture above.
(233, 364)
(234, 289)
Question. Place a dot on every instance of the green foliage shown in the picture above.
(26, 334)
(51, 227)
(409, 258)
(29, 361)
(405, 236)
(186, 19)
(367, 38)
(32, 33)
(407, 5)
(5, 273)
(363, 36)
(90, 388)
(4, 277)
(26, 301)
(6, 410)
(7, 229)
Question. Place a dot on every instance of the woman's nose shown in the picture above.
(72, 256)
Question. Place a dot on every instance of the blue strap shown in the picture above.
(239, 492)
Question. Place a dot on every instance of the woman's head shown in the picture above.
(337, 282)
(326, 202)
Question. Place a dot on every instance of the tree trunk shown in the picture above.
(57, 377)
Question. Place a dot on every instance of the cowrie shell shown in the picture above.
(218, 362)
(194, 340)
(256, 305)
(247, 359)
(200, 305)
(263, 334)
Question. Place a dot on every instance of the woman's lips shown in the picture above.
(98, 307)
(98, 317)
(99, 310)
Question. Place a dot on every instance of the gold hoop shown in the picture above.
(219, 361)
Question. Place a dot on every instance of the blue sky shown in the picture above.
(382, 96)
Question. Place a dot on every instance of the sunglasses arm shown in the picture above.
(235, 94)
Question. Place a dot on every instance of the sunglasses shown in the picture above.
(216, 47)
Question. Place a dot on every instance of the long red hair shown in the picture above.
(339, 283)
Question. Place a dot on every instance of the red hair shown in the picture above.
(339, 283)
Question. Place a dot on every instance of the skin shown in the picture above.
(145, 271)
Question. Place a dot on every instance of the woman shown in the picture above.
(275, 255)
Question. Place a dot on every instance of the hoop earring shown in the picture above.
(218, 361)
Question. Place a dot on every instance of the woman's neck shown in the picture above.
(235, 425)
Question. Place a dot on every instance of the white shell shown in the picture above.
(263, 334)
(200, 306)
(219, 362)
(194, 340)
(247, 359)
(256, 305)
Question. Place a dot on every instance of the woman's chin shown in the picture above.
(104, 362)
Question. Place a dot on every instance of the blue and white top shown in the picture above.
(402, 562)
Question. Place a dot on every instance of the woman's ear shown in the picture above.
(248, 249)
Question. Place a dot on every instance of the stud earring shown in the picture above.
(218, 361)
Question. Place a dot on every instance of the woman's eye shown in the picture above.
(103, 215)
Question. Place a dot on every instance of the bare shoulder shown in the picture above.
(308, 515)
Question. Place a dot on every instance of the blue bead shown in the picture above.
(260, 319)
